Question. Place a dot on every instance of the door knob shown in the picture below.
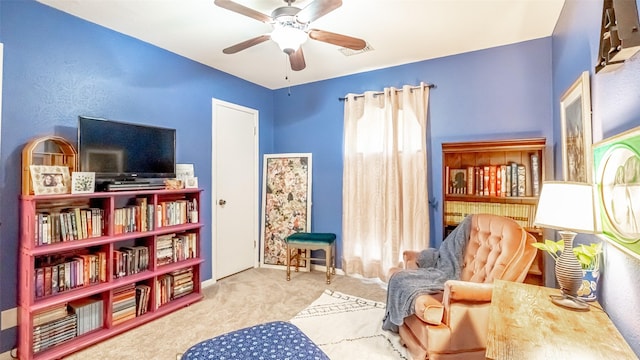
(222, 202)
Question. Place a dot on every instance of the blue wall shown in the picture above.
(503, 92)
(615, 108)
(57, 67)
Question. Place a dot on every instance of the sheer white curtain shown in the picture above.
(385, 200)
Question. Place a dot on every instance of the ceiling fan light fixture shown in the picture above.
(288, 39)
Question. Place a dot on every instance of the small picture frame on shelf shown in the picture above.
(83, 182)
(50, 180)
(191, 182)
(185, 171)
(458, 181)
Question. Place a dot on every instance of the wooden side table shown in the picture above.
(524, 324)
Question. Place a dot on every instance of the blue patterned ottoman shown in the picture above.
(276, 340)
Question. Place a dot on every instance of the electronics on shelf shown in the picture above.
(126, 156)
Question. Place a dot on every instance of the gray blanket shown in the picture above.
(435, 267)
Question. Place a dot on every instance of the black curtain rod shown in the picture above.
(382, 92)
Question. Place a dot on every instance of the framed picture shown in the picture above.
(50, 180)
(575, 116)
(617, 181)
(190, 182)
(83, 182)
(286, 205)
(185, 171)
(458, 181)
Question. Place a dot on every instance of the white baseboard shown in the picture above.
(9, 318)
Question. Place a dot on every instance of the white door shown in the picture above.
(234, 189)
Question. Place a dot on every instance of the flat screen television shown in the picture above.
(119, 151)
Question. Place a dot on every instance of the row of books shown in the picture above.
(130, 260)
(68, 225)
(135, 217)
(123, 306)
(172, 248)
(89, 314)
(57, 225)
(55, 332)
(143, 216)
(456, 211)
(54, 275)
(129, 301)
(177, 212)
(174, 285)
(142, 299)
(506, 180)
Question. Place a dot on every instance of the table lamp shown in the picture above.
(567, 207)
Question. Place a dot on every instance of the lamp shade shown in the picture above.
(288, 38)
(566, 206)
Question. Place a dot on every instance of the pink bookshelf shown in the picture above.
(83, 264)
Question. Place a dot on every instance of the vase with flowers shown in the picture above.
(589, 258)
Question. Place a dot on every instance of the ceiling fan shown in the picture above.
(291, 28)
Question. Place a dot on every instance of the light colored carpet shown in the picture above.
(251, 297)
(348, 327)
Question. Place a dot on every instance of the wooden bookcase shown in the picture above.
(463, 178)
(96, 268)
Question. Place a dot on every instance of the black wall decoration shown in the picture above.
(619, 34)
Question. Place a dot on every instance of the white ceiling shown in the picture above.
(399, 31)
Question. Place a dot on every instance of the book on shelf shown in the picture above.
(507, 177)
(493, 180)
(470, 180)
(447, 181)
(535, 175)
(67, 276)
(39, 282)
(514, 179)
(505, 180)
(498, 181)
(486, 182)
(54, 279)
(47, 281)
(522, 185)
(477, 183)
(89, 314)
(142, 299)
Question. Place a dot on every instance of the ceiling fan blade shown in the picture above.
(297, 60)
(246, 44)
(317, 9)
(243, 10)
(337, 39)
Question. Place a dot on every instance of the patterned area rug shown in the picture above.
(349, 327)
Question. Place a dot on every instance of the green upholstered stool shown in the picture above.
(312, 241)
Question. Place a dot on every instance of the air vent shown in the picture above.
(350, 52)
